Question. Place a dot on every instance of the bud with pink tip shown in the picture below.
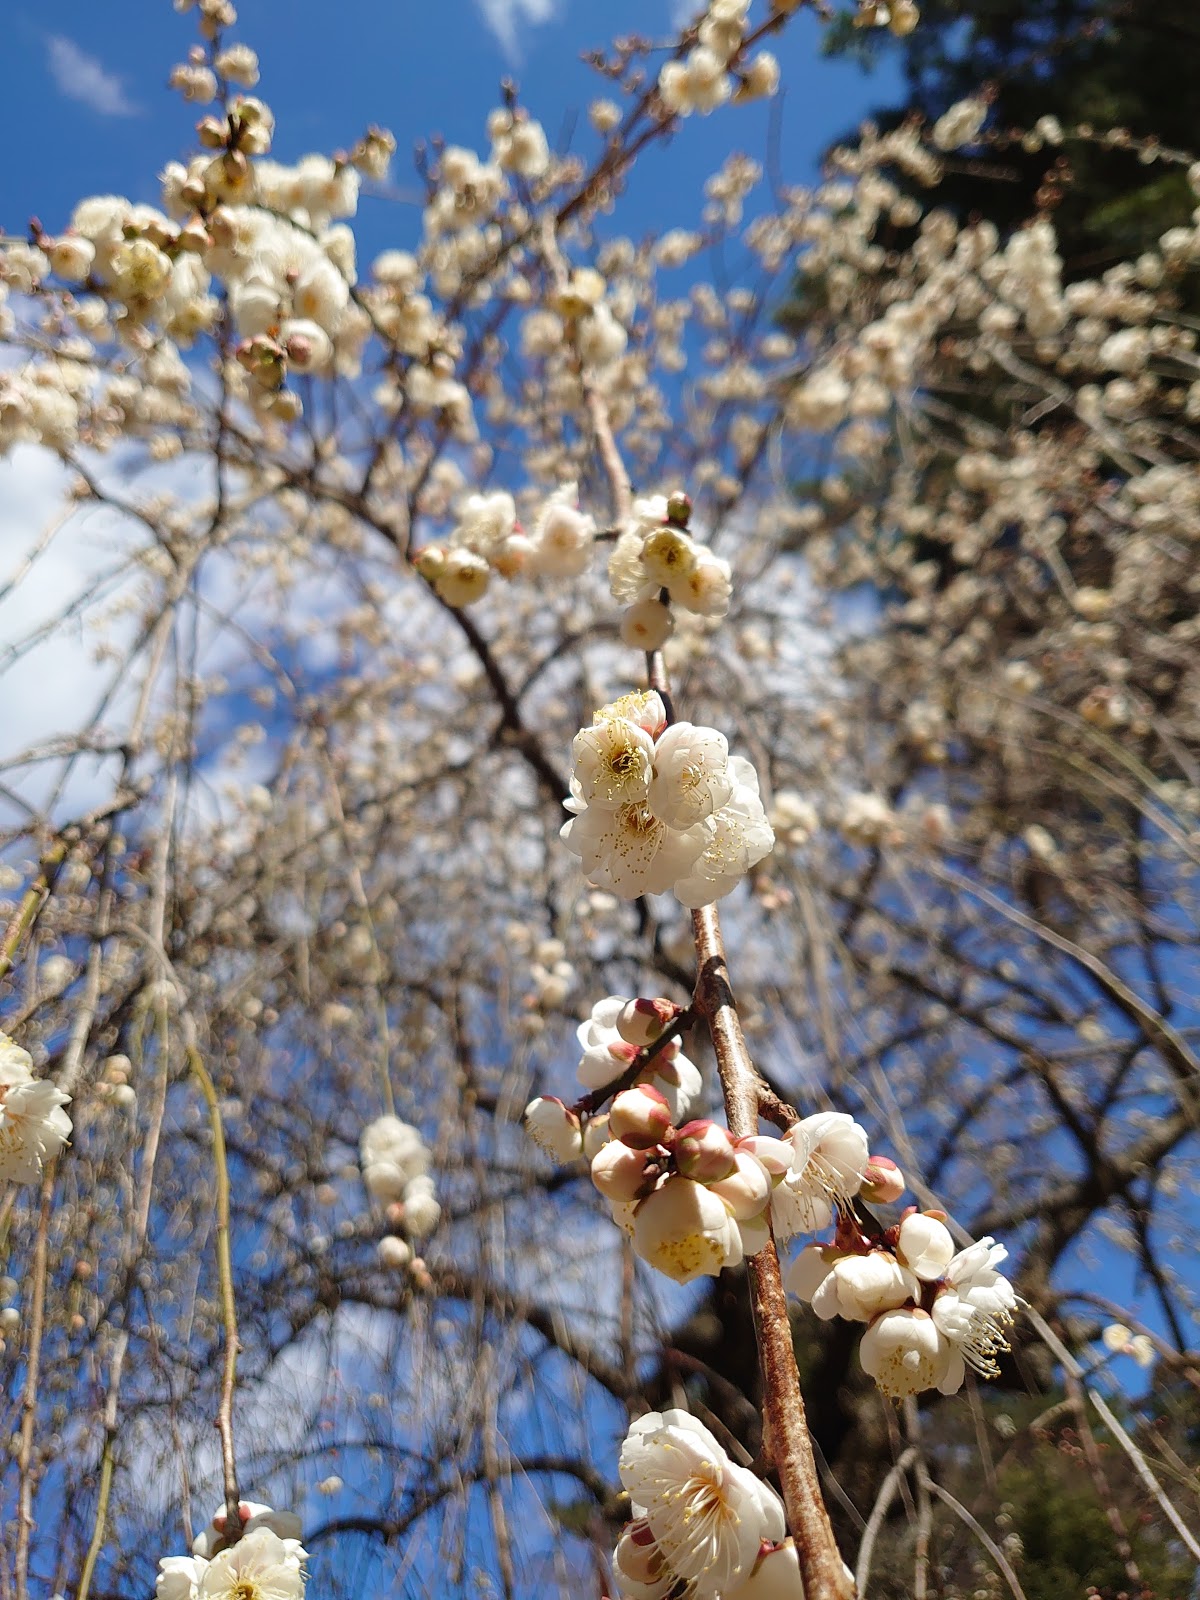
(883, 1182)
(640, 1117)
(619, 1172)
(554, 1127)
(639, 1563)
(641, 1021)
(704, 1151)
(747, 1189)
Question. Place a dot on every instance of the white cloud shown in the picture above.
(82, 77)
(503, 17)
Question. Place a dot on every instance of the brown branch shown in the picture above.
(786, 1428)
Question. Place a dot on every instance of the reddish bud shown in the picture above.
(640, 1117)
(641, 1021)
(883, 1182)
(704, 1151)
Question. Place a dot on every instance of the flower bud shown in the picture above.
(640, 1117)
(883, 1182)
(747, 1190)
(394, 1252)
(430, 561)
(618, 1171)
(925, 1245)
(679, 508)
(704, 1150)
(639, 1563)
(212, 132)
(641, 1021)
(554, 1127)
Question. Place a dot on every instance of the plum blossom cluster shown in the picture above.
(931, 1312)
(695, 1200)
(33, 1125)
(656, 560)
(657, 807)
(264, 1562)
(702, 1525)
(395, 1169)
(707, 76)
(487, 538)
(613, 1039)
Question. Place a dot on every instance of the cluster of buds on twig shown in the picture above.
(623, 1042)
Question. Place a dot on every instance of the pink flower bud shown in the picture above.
(704, 1151)
(883, 1182)
(300, 350)
(641, 1021)
(619, 1172)
(640, 1117)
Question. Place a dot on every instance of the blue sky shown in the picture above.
(83, 96)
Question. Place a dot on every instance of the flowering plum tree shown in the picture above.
(847, 603)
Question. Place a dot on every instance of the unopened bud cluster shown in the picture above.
(612, 1041)
(488, 540)
(395, 1167)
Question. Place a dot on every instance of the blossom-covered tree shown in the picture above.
(619, 929)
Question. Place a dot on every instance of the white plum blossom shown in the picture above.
(260, 1566)
(612, 764)
(392, 1154)
(672, 808)
(708, 1517)
(857, 1287)
(691, 775)
(960, 125)
(975, 1306)
(629, 850)
(563, 536)
(697, 83)
(741, 837)
(906, 1352)
(686, 1231)
(829, 1159)
(395, 1169)
(178, 1577)
(33, 1125)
